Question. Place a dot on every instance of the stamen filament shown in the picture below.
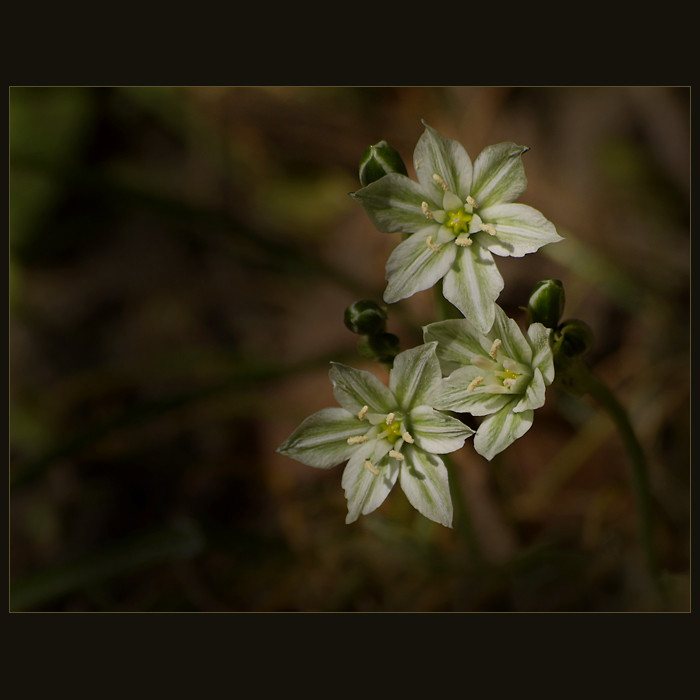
(357, 439)
(441, 182)
(370, 467)
(431, 245)
(474, 383)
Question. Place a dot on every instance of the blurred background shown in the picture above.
(180, 261)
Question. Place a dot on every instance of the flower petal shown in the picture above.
(520, 229)
(473, 284)
(534, 394)
(499, 175)
(413, 266)
(542, 359)
(438, 154)
(500, 430)
(513, 343)
(364, 490)
(437, 432)
(424, 480)
(355, 388)
(393, 203)
(414, 374)
(321, 439)
(454, 395)
(458, 342)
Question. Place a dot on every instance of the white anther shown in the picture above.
(431, 245)
(389, 418)
(407, 437)
(474, 383)
(370, 467)
(426, 211)
(357, 439)
(363, 412)
(464, 240)
(508, 383)
(494, 348)
(471, 201)
(396, 455)
(489, 228)
(441, 182)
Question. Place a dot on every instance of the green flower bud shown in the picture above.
(383, 347)
(380, 160)
(573, 338)
(546, 303)
(365, 318)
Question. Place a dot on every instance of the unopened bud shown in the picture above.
(383, 347)
(365, 318)
(546, 303)
(573, 338)
(380, 160)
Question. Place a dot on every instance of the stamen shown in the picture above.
(389, 418)
(474, 383)
(407, 437)
(494, 348)
(431, 245)
(464, 240)
(508, 383)
(396, 455)
(489, 228)
(472, 202)
(426, 211)
(370, 467)
(357, 439)
(363, 412)
(441, 182)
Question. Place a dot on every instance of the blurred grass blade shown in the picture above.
(181, 540)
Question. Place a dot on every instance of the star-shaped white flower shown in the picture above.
(501, 374)
(459, 216)
(386, 434)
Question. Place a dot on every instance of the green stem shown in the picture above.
(585, 381)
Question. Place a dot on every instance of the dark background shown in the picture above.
(180, 260)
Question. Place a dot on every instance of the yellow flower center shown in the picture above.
(393, 431)
(458, 221)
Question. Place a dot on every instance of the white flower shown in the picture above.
(501, 374)
(386, 434)
(459, 215)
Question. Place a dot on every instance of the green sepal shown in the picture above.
(380, 160)
(546, 303)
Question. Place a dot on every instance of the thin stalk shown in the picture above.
(639, 469)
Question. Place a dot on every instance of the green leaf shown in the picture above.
(424, 480)
(321, 439)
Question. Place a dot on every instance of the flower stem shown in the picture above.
(580, 379)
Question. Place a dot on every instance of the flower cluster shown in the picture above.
(454, 219)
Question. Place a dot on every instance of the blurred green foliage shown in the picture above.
(180, 262)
